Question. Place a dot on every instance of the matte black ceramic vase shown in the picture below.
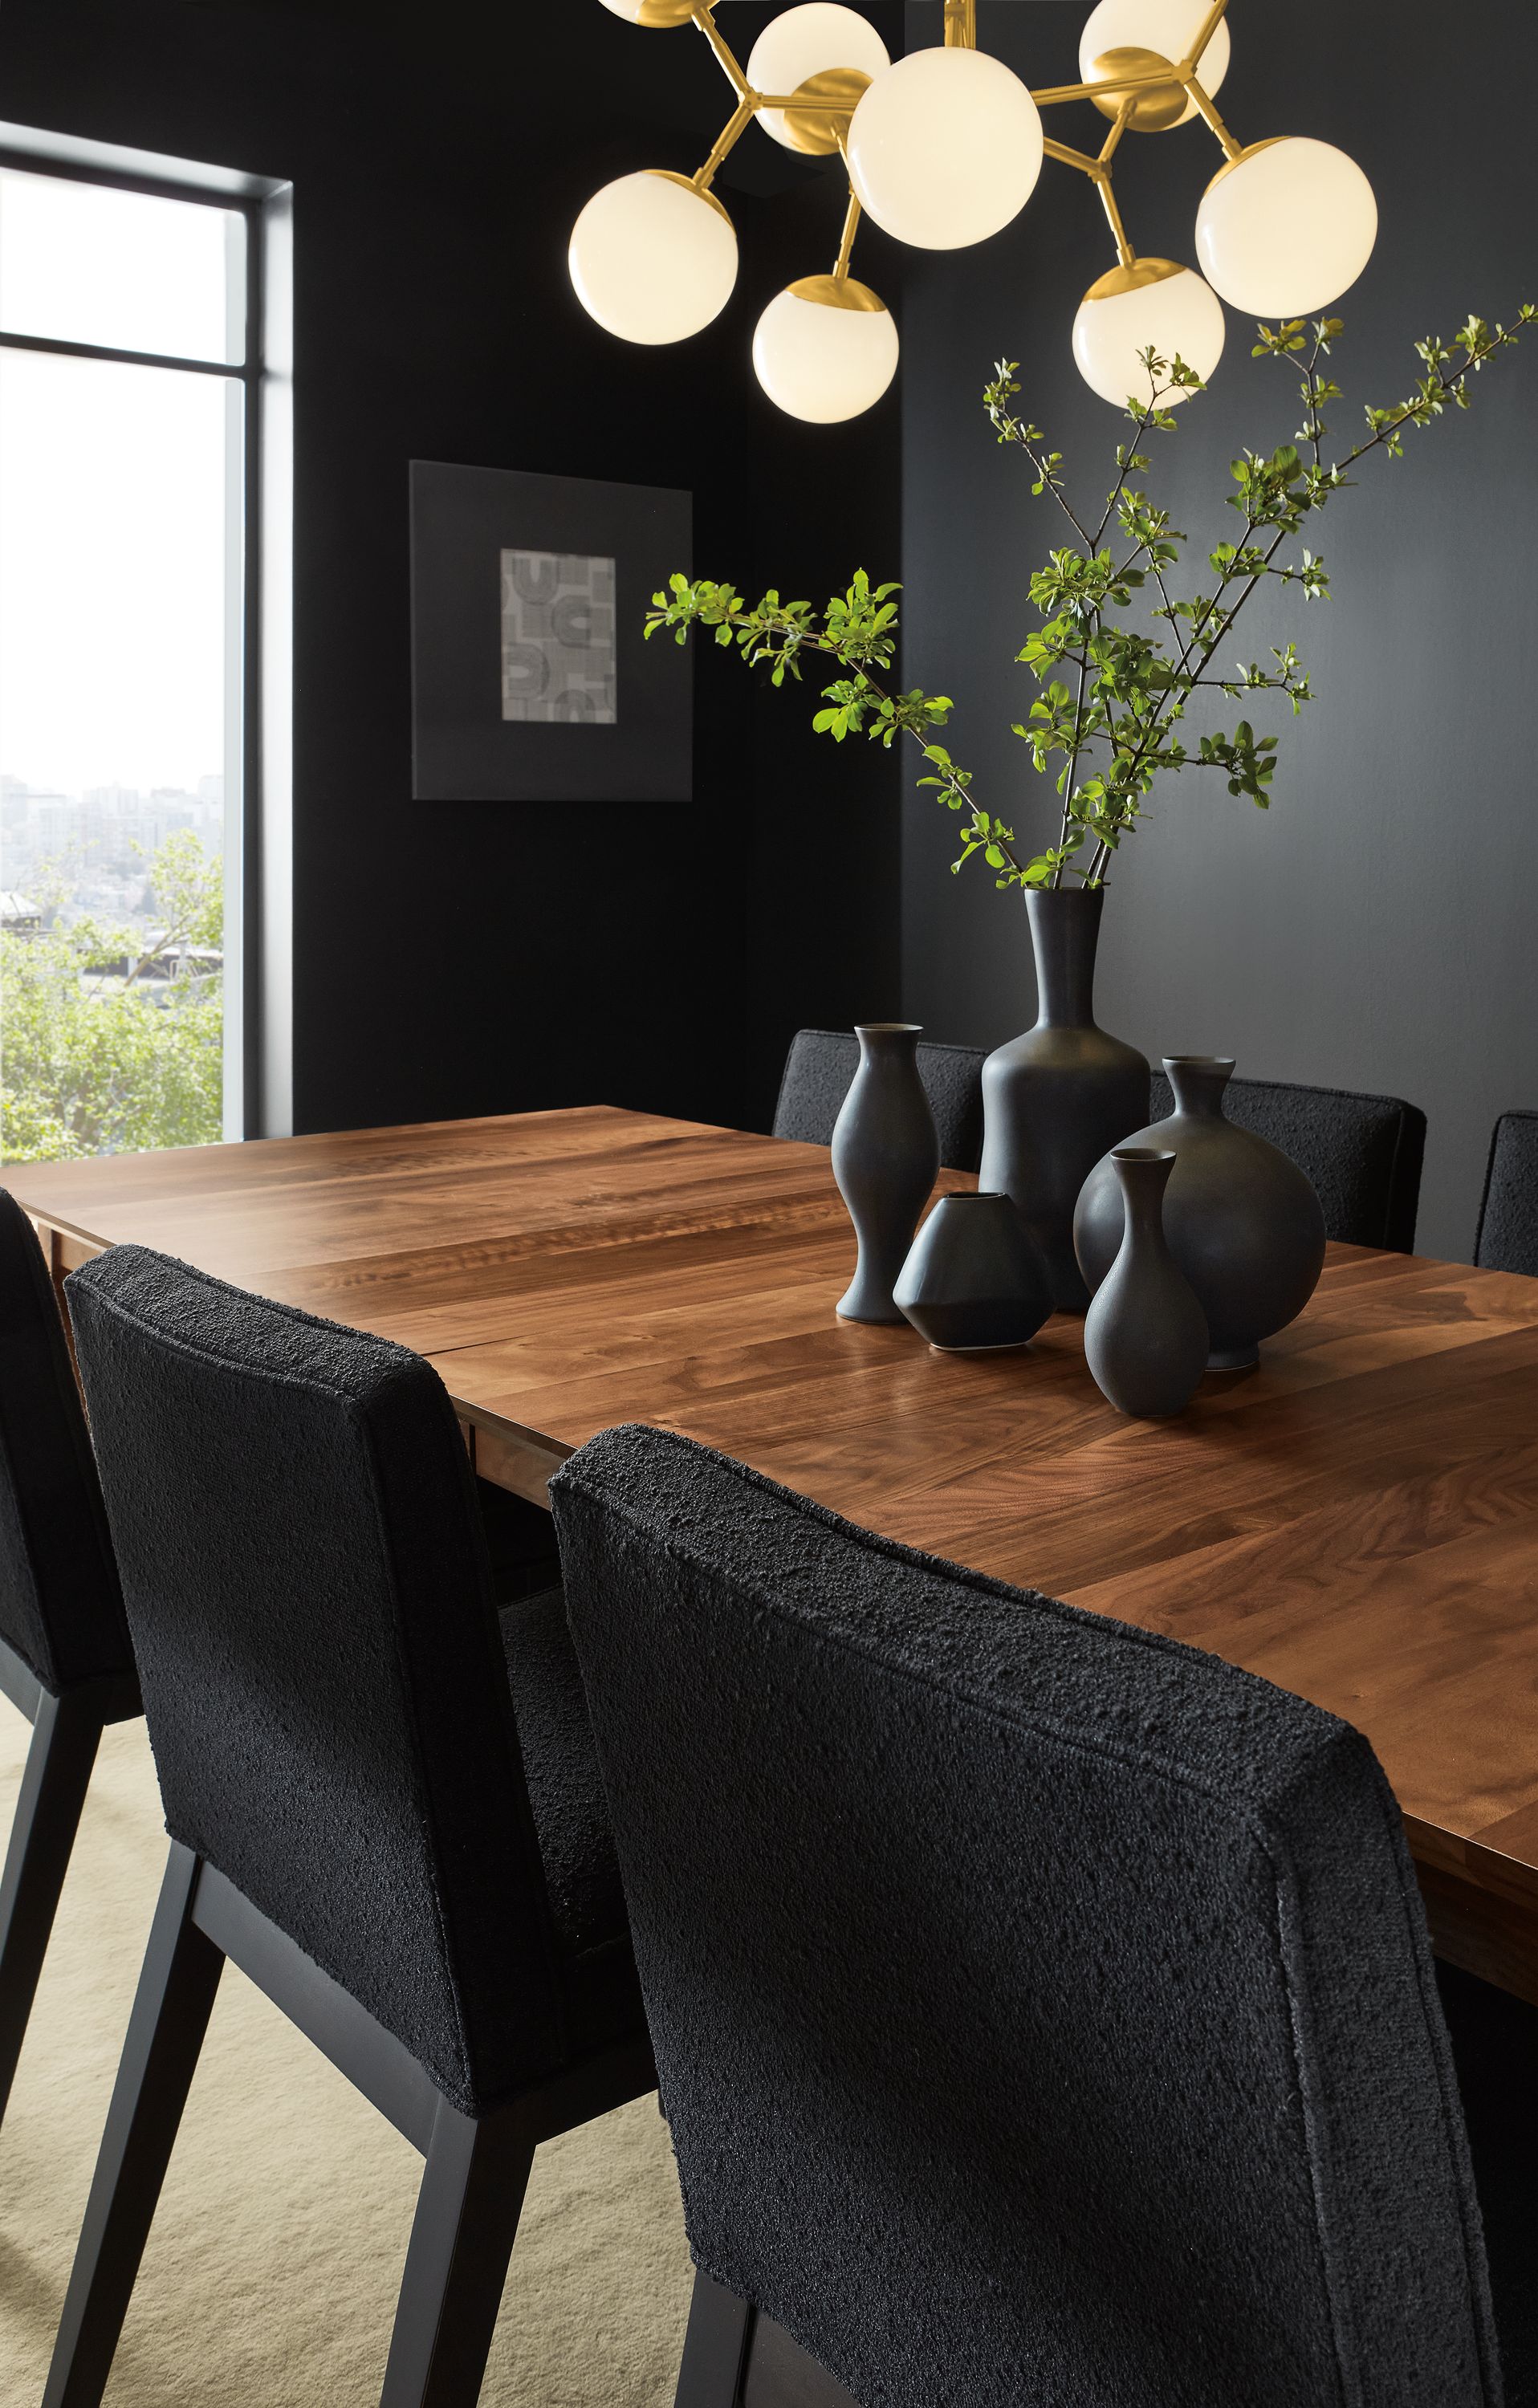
(885, 1157)
(973, 1283)
(1057, 1098)
(1145, 1337)
(1243, 1221)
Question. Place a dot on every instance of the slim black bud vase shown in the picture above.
(1145, 1339)
(885, 1155)
(1057, 1098)
(1243, 1221)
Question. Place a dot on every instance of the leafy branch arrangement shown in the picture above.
(1113, 694)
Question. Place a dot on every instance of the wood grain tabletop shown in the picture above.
(1358, 1519)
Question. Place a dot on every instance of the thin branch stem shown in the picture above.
(1078, 748)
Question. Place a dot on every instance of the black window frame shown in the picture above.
(266, 932)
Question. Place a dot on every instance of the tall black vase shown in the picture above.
(1243, 1221)
(885, 1157)
(1058, 1099)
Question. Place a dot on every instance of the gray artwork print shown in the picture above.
(558, 637)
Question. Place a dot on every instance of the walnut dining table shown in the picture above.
(1356, 1520)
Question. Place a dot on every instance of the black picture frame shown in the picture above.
(463, 749)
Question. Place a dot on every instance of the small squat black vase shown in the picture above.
(1145, 1337)
(885, 1157)
(974, 1284)
(1059, 1097)
(1243, 1221)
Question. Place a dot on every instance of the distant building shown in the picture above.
(19, 916)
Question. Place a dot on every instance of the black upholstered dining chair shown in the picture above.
(381, 1806)
(64, 1654)
(1507, 1236)
(820, 1070)
(1045, 2010)
(1362, 1152)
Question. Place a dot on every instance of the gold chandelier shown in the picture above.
(944, 148)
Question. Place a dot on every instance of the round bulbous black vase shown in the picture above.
(886, 1159)
(973, 1283)
(1145, 1336)
(1058, 1099)
(1243, 1221)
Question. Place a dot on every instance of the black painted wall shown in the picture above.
(1376, 928)
(450, 958)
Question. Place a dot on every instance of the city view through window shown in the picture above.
(121, 565)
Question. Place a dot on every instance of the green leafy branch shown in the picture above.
(1107, 722)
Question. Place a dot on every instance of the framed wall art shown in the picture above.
(532, 680)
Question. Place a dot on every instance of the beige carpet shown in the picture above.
(271, 2274)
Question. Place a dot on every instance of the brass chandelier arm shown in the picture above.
(1232, 146)
(1125, 254)
(851, 226)
(1058, 95)
(1068, 157)
(1123, 118)
(961, 24)
(802, 102)
(725, 56)
(731, 136)
(1101, 176)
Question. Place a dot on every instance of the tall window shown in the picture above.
(128, 387)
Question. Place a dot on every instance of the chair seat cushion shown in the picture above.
(571, 1819)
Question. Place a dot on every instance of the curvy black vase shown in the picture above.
(1145, 1339)
(886, 1156)
(1243, 1221)
(1057, 1098)
(973, 1283)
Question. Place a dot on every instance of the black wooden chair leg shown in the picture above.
(64, 1738)
(171, 2010)
(467, 2210)
(715, 2348)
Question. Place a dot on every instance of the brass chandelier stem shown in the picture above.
(1232, 146)
(851, 226)
(725, 55)
(1067, 157)
(731, 134)
(1125, 252)
(1056, 95)
(961, 24)
(1112, 144)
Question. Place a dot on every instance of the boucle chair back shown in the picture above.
(1362, 1152)
(309, 1598)
(820, 1070)
(1043, 2011)
(1508, 1216)
(60, 1605)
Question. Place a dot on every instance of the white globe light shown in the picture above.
(1169, 28)
(825, 349)
(946, 148)
(652, 258)
(816, 40)
(1286, 227)
(1155, 303)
